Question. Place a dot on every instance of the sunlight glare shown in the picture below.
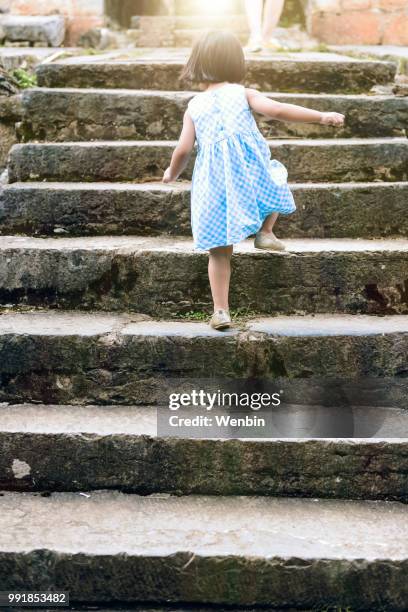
(215, 7)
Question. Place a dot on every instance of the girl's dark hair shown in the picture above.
(215, 58)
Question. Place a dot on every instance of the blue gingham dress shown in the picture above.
(235, 184)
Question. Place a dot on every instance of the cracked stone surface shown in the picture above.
(164, 275)
(160, 69)
(180, 544)
(259, 527)
(324, 210)
(58, 447)
(88, 114)
(336, 160)
(71, 357)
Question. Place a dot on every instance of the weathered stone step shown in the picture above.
(160, 69)
(163, 276)
(46, 29)
(339, 160)
(72, 357)
(175, 547)
(87, 114)
(324, 210)
(119, 447)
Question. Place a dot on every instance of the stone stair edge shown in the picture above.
(68, 322)
(187, 94)
(127, 244)
(114, 420)
(186, 185)
(335, 142)
(141, 55)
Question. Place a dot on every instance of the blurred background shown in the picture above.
(339, 22)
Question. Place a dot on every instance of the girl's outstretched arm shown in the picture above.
(290, 112)
(182, 152)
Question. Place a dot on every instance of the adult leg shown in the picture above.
(219, 273)
(254, 9)
(272, 14)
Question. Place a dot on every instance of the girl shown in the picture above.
(237, 190)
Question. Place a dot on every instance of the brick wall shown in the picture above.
(81, 15)
(360, 22)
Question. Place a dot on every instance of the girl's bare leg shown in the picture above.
(254, 10)
(269, 222)
(219, 273)
(272, 14)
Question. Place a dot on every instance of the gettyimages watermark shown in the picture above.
(263, 409)
(225, 414)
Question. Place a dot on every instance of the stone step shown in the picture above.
(176, 545)
(88, 114)
(337, 210)
(160, 70)
(46, 29)
(120, 447)
(105, 358)
(338, 160)
(164, 276)
(190, 22)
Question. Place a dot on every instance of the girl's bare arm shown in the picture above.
(183, 150)
(290, 112)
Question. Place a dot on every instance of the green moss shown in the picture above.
(321, 48)
(24, 78)
(403, 66)
(237, 314)
(192, 315)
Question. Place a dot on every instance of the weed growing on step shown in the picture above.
(24, 78)
(20, 308)
(237, 314)
(403, 66)
(192, 316)
(321, 48)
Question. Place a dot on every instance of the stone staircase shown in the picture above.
(98, 280)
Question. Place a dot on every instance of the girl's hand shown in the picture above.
(334, 119)
(167, 176)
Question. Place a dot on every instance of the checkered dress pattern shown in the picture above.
(236, 184)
